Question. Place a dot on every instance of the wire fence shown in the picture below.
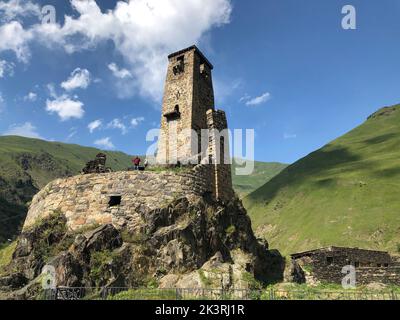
(63, 293)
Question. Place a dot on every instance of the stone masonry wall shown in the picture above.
(326, 265)
(220, 154)
(85, 199)
(390, 275)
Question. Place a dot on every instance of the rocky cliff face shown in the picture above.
(195, 243)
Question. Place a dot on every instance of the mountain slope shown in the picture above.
(343, 194)
(263, 172)
(27, 165)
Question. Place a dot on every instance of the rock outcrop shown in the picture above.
(194, 242)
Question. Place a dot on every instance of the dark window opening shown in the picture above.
(356, 264)
(210, 159)
(114, 201)
(386, 265)
(174, 115)
(180, 66)
(379, 265)
(222, 151)
(203, 71)
(329, 261)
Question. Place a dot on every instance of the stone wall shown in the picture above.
(85, 199)
(219, 152)
(325, 265)
(390, 275)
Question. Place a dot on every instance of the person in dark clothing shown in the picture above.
(136, 163)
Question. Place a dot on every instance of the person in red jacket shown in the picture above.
(136, 163)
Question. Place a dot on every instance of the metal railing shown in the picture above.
(63, 293)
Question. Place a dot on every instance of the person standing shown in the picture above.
(136, 163)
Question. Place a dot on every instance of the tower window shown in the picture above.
(329, 261)
(114, 201)
(203, 71)
(174, 115)
(180, 66)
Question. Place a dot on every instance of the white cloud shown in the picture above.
(136, 121)
(52, 90)
(2, 68)
(18, 8)
(73, 131)
(15, 38)
(258, 100)
(288, 136)
(95, 125)
(79, 79)
(225, 88)
(65, 107)
(144, 32)
(2, 102)
(105, 143)
(119, 73)
(6, 68)
(117, 124)
(25, 130)
(246, 97)
(31, 96)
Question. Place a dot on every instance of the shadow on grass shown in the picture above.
(388, 173)
(312, 165)
(381, 139)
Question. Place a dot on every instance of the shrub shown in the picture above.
(6, 252)
(135, 238)
(203, 278)
(98, 263)
(230, 230)
(145, 294)
(253, 283)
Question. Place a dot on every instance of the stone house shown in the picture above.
(325, 265)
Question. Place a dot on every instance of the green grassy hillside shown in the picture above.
(345, 194)
(263, 172)
(26, 165)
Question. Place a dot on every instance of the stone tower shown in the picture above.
(188, 111)
(188, 95)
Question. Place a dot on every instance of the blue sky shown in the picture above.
(286, 68)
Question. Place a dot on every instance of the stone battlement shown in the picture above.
(118, 198)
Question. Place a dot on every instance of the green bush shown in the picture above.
(145, 294)
(230, 230)
(6, 252)
(204, 280)
(98, 263)
(136, 238)
(253, 283)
